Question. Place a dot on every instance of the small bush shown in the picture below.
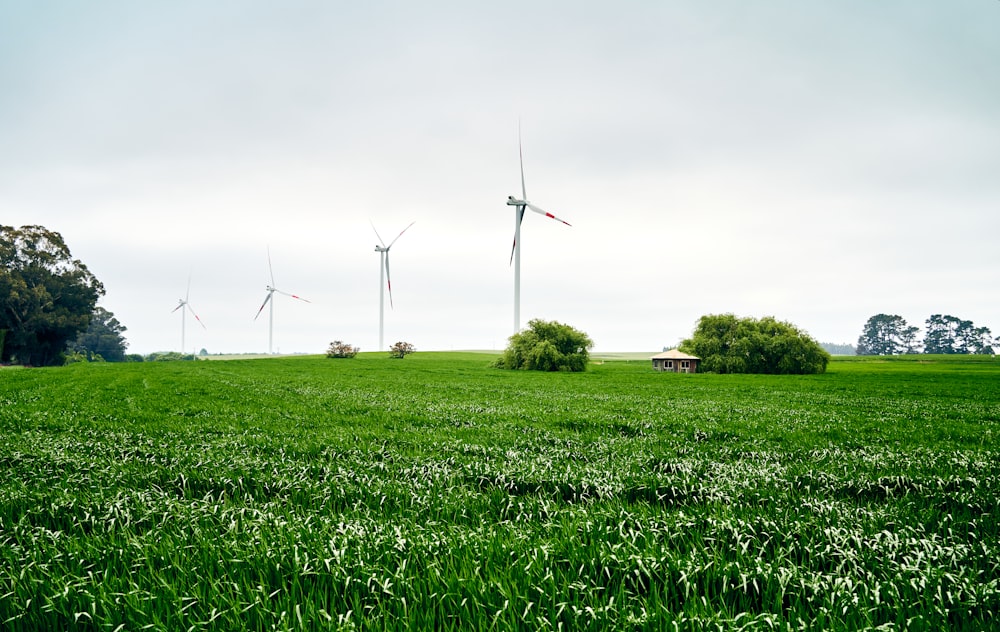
(339, 349)
(401, 350)
(73, 357)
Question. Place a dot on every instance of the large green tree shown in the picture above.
(951, 335)
(886, 334)
(727, 344)
(46, 296)
(547, 346)
(103, 338)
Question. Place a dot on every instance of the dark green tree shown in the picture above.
(978, 340)
(103, 338)
(727, 344)
(948, 334)
(46, 296)
(547, 346)
(886, 334)
(942, 334)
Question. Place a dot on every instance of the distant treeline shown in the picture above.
(839, 349)
(889, 334)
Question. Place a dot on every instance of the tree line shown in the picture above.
(890, 334)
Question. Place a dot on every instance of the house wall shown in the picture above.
(676, 367)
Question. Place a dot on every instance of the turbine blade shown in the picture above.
(520, 218)
(191, 309)
(376, 233)
(388, 279)
(269, 266)
(179, 305)
(269, 295)
(292, 295)
(188, 295)
(400, 234)
(547, 214)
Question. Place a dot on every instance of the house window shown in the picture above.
(685, 364)
(670, 364)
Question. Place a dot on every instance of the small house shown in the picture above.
(676, 362)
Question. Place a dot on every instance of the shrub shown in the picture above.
(547, 346)
(340, 349)
(401, 349)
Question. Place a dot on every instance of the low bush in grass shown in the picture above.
(340, 349)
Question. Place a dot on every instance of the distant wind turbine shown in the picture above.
(384, 280)
(181, 304)
(515, 252)
(268, 299)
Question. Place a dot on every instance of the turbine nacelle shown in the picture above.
(513, 201)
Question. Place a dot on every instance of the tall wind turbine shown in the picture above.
(181, 304)
(515, 252)
(384, 280)
(268, 299)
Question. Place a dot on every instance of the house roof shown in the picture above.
(674, 354)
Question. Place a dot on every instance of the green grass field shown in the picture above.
(438, 493)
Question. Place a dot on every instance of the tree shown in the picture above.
(340, 349)
(886, 334)
(401, 349)
(950, 335)
(978, 340)
(941, 336)
(103, 338)
(547, 346)
(727, 344)
(46, 296)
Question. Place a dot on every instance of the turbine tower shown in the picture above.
(515, 252)
(268, 299)
(181, 304)
(384, 280)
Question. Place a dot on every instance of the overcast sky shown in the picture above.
(815, 161)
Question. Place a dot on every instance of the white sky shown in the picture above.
(819, 162)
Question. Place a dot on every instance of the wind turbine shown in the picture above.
(515, 252)
(384, 280)
(181, 304)
(268, 299)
